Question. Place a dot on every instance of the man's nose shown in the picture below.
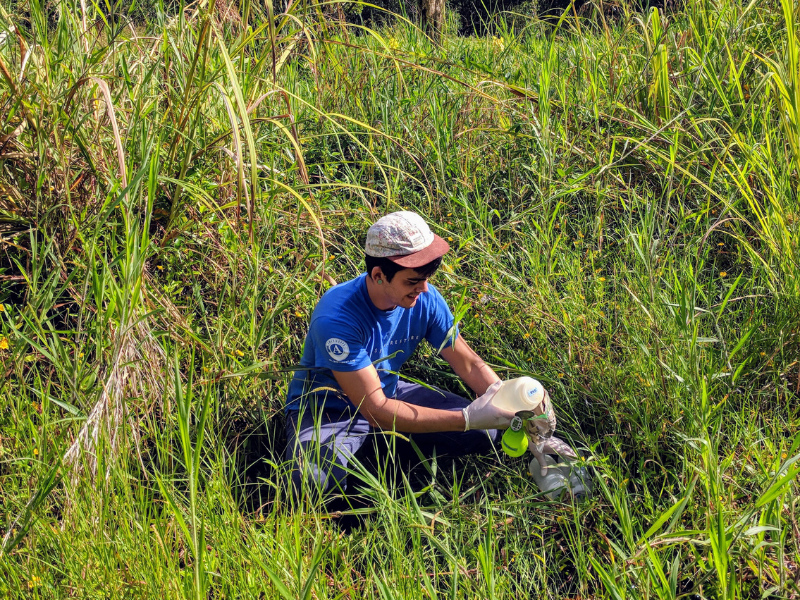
(423, 286)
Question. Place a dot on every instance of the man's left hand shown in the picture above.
(483, 414)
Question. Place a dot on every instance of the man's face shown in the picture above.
(405, 287)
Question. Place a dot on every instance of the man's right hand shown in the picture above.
(482, 414)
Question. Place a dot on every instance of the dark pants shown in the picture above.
(320, 446)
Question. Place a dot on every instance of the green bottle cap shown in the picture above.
(514, 441)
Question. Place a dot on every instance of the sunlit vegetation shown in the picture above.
(620, 191)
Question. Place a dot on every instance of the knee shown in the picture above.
(308, 480)
(312, 480)
(494, 435)
(475, 441)
(479, 441)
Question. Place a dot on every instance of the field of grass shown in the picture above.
(620, 189)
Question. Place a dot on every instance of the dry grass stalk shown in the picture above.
(133, 373)
(117, 138)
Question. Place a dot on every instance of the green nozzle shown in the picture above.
(514, 441)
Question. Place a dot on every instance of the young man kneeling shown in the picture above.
(360, 335)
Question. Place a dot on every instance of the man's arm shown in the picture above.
(363, 387)
(469, 366)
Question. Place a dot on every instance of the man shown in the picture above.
(361, 332)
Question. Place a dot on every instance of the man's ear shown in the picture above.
(376, 274)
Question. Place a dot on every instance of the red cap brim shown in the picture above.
(438, 247)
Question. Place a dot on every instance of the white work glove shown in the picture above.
(551, 446)
(482, 414)
(558, 446)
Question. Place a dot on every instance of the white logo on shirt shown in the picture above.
(337, 349)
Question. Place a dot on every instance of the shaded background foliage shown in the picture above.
(467, 17)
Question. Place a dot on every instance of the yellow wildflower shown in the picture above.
(723, 274)
(3, 343)
(2, 308)
(601, 279)
(449, 239)
(36, 452)
(239, 353)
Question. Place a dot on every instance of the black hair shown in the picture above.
(390, 269)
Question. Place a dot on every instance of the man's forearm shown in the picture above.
(469, 366)
(409, 418)
(480, 376)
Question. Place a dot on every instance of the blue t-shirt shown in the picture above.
(347, 333)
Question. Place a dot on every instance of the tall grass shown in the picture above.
(620, 191)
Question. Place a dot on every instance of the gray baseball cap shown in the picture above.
(404, 238)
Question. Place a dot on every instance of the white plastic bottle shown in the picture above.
(551, 480)
(580, 485)
(522, 393)
(561, 477)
